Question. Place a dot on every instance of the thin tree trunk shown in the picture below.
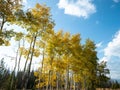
(20, 57)
(31, 58)
(74, 85)
(58, 76)
(28, 55)
(77, 86)
(71, 82)
(24, 73)
(67, 78)
(40, 73)
(19, 63)
(57, 87)
(50, 74)
(47, 87)
(13, 74)
(2, 24)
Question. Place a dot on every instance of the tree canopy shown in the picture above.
(65, 63)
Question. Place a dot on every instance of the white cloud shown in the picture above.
(116, 1)
(113, 47)
(99, 44)
(79, 8)
(112, 56)
(9, 55)
(24, 1)
(105, 58)
(26, 4)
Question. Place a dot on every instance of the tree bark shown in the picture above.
(40, 73)
(2, 23)
(24, 73)
(67, 79)
(20, 58)
(31, 58)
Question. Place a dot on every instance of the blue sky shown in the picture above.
(98, 20)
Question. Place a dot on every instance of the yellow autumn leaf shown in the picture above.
(7, 43)
(36, 52)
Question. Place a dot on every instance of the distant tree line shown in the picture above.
(6, 75)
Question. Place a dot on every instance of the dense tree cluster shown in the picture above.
(65, 63)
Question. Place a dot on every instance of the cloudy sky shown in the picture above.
(98, 20)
